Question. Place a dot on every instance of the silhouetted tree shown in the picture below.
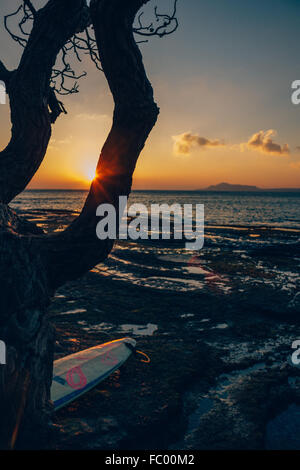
(33, 264)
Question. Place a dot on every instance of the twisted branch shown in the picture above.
(34, 106)
(64, 79)
(165, 24)
(73, 252)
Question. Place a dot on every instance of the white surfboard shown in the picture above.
(77, 373)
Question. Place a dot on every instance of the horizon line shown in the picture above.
(175, 189)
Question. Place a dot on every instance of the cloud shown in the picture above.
(264, 143)
(183, 143)
(55, 144)
(66, 141)
(91, 117)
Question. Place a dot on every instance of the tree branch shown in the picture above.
(31, 96)
(64, 79)
(77, 249)
(30, 6)
(56, 107)
(4, 73)
(163, 25)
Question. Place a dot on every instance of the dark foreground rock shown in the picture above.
(218, 327)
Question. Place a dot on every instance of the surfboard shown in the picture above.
(78, 373)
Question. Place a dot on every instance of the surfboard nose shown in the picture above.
(79, 372)
(130, 341)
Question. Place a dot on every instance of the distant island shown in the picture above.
(243, 187)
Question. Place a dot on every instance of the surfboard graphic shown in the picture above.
(77, 373)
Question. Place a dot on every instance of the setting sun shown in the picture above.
(89, 173)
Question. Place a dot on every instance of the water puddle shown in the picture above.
(139, 330)
(76, 310)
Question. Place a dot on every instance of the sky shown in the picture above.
(223, 85)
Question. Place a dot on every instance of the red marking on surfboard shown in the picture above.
(72, 373)
(109, 359)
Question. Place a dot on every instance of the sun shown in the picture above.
(90, 173)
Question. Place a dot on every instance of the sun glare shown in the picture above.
(90, 173)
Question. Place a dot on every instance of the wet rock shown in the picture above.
(207, 386)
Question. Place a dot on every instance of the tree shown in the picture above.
(33, 264)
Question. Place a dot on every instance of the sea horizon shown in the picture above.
(267, 190)
(225, 208)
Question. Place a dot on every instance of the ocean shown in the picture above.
(236, 225)
(218, 324)
(271, 209)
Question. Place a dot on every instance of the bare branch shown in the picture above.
(56, 107)
(34, 106)
(16, 37)
(71, 253)
(30, 6)
(164, 25)
(64, 79)
(5, 74)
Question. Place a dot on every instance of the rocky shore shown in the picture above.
(218, 326)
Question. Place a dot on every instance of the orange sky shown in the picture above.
(220, 85)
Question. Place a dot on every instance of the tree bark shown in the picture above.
(33, 104)
(26, 378)
(77, 249)
(32, 264)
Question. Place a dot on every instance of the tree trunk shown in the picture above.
(32, 264)
(33, 104)
(77, 249)
(26, 378)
